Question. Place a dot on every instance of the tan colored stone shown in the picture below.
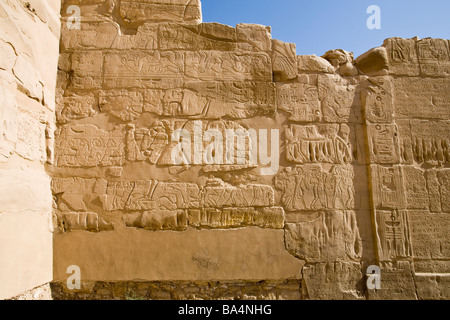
(393, 234)
(313, 63)
(216, 66)
(397, 283)
(284, 60)
(361, 175)
(301, 101)
(383, 143)
(210, 36)
(75, 106)
(87, 221)
(161, 10)
(323, 143)
(312, 188)
(374, 62)
(250, 253)
(342, 61)
(254, 37)
(434, 57)
(339, 99)
(430, 102)
(325, 236)
(86, 145)
(332, 281)
(377, 100)
(402, 56)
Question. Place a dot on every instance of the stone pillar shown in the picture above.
(29, 42)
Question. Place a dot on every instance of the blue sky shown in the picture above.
(317, 26)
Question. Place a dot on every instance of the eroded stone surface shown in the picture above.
(362, 180)
(29, 38)
(361, 153)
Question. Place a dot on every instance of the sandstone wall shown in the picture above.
(29, 42)
(364, 160)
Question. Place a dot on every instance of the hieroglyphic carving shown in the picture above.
(338, 98)
(398, 281)
(402, 55)
(387, 187)
(146, 38)
(301, 101)
(88, 146)
(377, 100)
(332, 280)
(444, 181)
(434, 57)
(155, 144)
(212, 100)
(86, 221)
(383, 143)
(426, 142)
(236, 99)
(153, 195)
(209, 218)
(123, 104)
(76, 194)
(393, 234)
(88, 67)
(90, 36)
(415, 188)
(176, 37)
(253, 37)
(427, 189)
(147, 144)
(434, 190)
(138, 69)
(226, 66)
(149, 195)
(327, 236)
(318, 144)
(312, 188)
(430, 102)
(161, 10)
(167, 75)
(284, 59)
(76, 106)
(429, 233)
(158, 220)
(87, 63)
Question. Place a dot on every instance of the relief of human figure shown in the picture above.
(286, 182)
(316, 183)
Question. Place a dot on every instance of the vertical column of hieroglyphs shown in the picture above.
(323, 186)
(407, 112)
(420, 70)
(390, 218)
(29, 34)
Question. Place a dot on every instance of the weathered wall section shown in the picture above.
(364, 159)
(413, 174)
(29, 51)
